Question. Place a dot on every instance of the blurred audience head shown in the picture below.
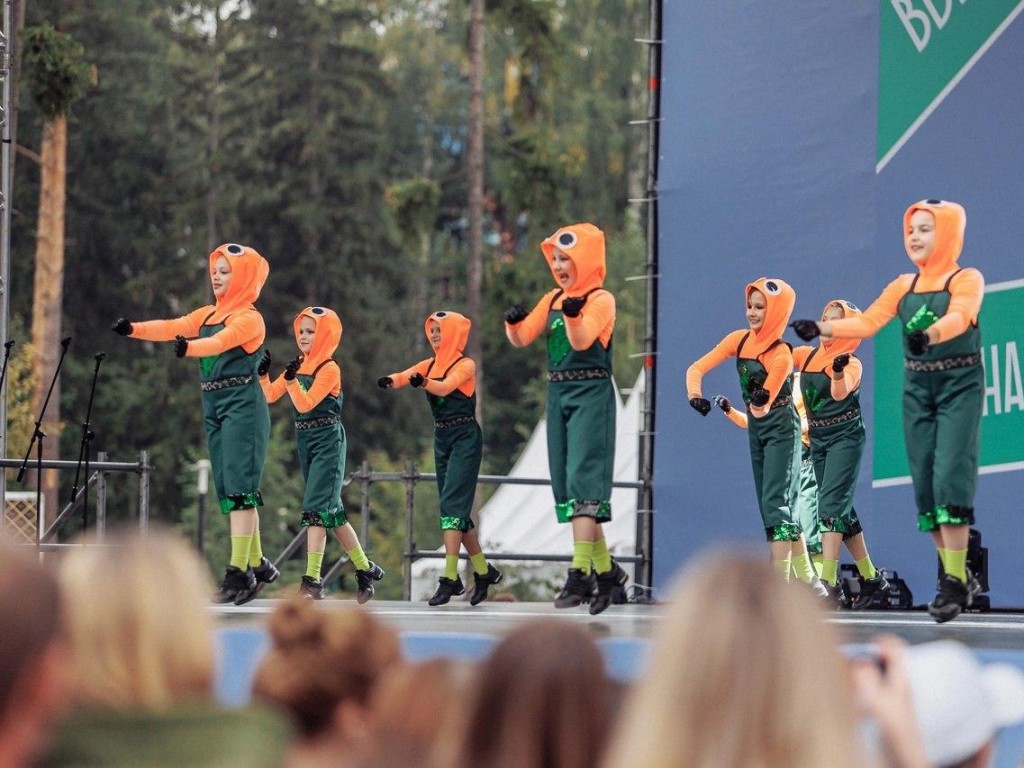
(743, 672)
(140, 631)
(540, 698)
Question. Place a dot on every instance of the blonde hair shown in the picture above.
(320, 658)
(741, 666)
(140, 632)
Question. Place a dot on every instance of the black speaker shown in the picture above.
(897, 597)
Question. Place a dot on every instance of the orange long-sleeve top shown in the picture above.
(966, 290)
(596, 321)
(327, 382)
(244, 329)
(839, 388)
(778, 361)
(461, 376)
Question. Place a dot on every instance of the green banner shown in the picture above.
(925, 48)
(1002, 423)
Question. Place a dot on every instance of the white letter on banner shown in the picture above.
(994, 389)
(1014, 390)
(907, 13)
(940, 20)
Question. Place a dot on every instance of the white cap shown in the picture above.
(960, 703)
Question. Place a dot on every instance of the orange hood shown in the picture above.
(780, 299)
(454, 337)
(833, 347)
(950, 223)
(249, 272)
(327, 338)
(584, 245)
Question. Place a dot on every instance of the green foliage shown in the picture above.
(54, 69)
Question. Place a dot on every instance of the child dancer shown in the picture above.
(577, 318)
(943, 383)
(764, 363)
(313, 382)
(830, 378)
(227, 337)
(449, 381)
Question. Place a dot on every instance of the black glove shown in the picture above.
(180, 346)
(572, 306)
(291, 368)
(122, 326)
(514, 315)
(806, 329)
(722, 402)
(840, 362)
(918, 343)
(700, 405)
(759, 398)
(264, 367)
(416, 380)
(385, 382)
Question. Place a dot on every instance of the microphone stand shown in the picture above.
(37, 440)
(3, 371)
(83, 451)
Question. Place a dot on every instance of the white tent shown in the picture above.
(521, 518)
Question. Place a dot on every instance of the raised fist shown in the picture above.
(416, 379)
(701, 405)
(572, 306)
(722, 402)
(918, 343)
(122, 326)
(180, 346)
(385, 382)
(840, 362)
(805, 329)
(264, 367)
(759, 398)
(514, 315)
(291, 369)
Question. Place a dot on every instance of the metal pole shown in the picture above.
(144, 492)
(101, 499)
(202, 468)
(6, 182)
(410, 545)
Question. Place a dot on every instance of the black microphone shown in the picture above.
(9, 344)
(64, 342)
(99, 356)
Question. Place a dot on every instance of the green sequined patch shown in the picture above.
(563, 511)
(451, 523)
(748, 381)
(945, 516)
(922, 319)
(813, 399)
(206, 364)
(784, 532)
(241, 501)
(558, 341)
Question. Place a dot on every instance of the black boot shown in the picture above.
(364, 581)
(446, 589)
(579, 587)
(606, 583)
(482, 582)
(266, 572)
(238, 586)
(953, 597)
(310, 588)
(869, 590)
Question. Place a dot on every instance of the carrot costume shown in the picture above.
(227, 337)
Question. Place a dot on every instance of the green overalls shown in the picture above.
(580, 423)
(458, 450)
(943, 397)
(774, 450)
(237, 422)
(320, 436)
(807, 502)
(836, 431)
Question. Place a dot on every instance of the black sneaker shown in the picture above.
(364, 581)
(953, 597)
(446, 589)
(482, 583)
(579, 587)
(621, 577)
(836, 596)
(606, 583)
(238, 586)
(266, 572)
(973, 587)
(310, 588)
(868, 589)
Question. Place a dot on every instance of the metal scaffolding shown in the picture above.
(6, 183)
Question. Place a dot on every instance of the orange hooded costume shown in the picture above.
(819, 359)
(327, 378)
(449, 369)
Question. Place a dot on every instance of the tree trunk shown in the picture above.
(48, 296)
(474, 271)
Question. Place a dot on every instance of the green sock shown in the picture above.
(479, 563)
(314, 562)
(956, 563)
(582, 554)
(255, 549)
(866, 568)
(816, 561)
(783, 566)
(240, 551)
(942, 559)
(830, 572)
(802, 568)
(451, 567)
(602, 557)
(358, 558)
